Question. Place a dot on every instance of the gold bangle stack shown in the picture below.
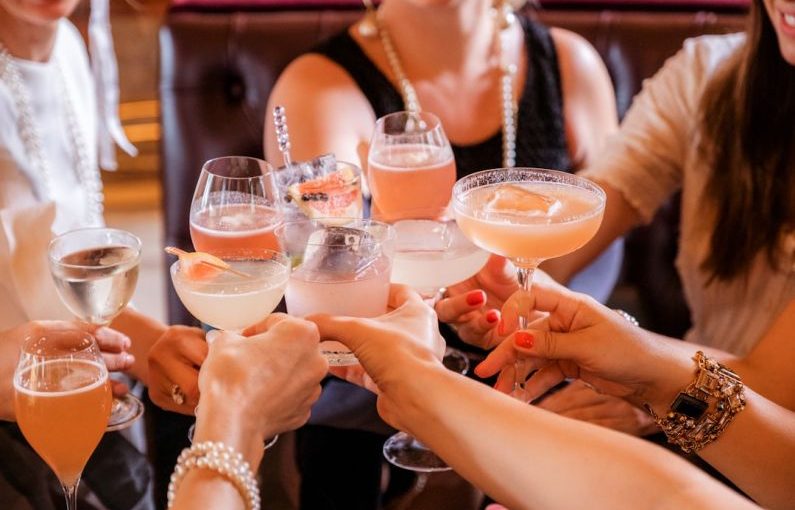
(703, 410)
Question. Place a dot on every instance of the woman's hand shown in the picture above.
(263, 384)
(588, 341)
(174, 362)
(472, 306)
(389, 346)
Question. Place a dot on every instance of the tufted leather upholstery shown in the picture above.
(217, 67)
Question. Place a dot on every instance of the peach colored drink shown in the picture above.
(234, 230)
(65, 418)
(411, 180)
(530, 222)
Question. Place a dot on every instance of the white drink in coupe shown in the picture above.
(225, 299)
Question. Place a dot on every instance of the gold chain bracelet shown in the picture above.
(701, 412)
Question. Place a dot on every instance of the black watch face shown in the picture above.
(689, 406)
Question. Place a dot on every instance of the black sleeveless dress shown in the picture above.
(541, 136)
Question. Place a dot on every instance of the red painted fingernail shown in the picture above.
(492, 316)
(524, 339)
(476, 297)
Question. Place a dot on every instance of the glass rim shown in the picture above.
(437, 123)
(269, 168)
(391, 235)
(61, 237)
(276, 256)
(567, 178)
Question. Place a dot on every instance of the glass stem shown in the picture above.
(70, 493)
(524, 275)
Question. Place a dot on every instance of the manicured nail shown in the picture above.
(524, 339)
(129, 359)
(492, 316)
(476, 297)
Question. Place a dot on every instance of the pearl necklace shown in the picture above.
(504, 18)
(87, 177)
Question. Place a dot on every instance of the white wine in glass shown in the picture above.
(95, 271)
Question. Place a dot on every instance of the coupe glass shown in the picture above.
(62, 400)
(338, 270)
(410, 166)
(95, 271)
(234, 300)
(527, 215)
(429, 256)
(235, 207)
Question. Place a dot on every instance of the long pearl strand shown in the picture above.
(87, 177)
(504, 18)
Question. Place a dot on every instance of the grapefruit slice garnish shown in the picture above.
(198, 265)
(335, 195)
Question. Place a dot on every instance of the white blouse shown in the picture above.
(27, 219)
(656, 153)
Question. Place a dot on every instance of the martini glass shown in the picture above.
(527, 215)
(429, 256)
(62, 401)
(95, 271)
(234, 299)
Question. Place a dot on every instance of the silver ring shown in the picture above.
(177, 395)
(627, 317)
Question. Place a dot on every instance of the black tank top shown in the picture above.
(541, 136)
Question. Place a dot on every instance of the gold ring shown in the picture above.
(177, 395)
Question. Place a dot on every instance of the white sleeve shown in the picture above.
(644, 161)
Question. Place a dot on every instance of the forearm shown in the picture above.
(528, 458)
(143, 332)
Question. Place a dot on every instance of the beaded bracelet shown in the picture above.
(224, 460)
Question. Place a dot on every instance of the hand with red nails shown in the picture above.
(582, 339)
(388, 346)
(175, 358)
(113, 345)
(472, 306)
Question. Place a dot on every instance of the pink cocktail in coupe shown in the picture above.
(410, 166)
(527, 215)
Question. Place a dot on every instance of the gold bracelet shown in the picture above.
(701, 412)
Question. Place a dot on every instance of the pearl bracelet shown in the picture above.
(224, 460)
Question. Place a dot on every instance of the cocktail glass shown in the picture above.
(527, 215)
(95, 271)
(338, 270)
(429, 256)
(410, 167)
(320, 188)
(62, 400)
(235, 207)
(234, 300)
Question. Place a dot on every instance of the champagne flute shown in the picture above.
(235, 207)
(527, 215)
(62, 400)
(95, 272)
(410, 166)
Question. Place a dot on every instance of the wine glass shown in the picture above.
(410, 166)
(527, 215)
(339, 270)
(235, 207)
(62, 400)
(95, 272)
(429, 256)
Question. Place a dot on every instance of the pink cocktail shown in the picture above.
(527, 215)
(411, 169)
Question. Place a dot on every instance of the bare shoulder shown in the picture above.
(323, 103)
(576, 55)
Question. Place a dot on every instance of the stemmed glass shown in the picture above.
(235, 207)
(410, 166)
(527, 215)
(62, 400)
(95, 271)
